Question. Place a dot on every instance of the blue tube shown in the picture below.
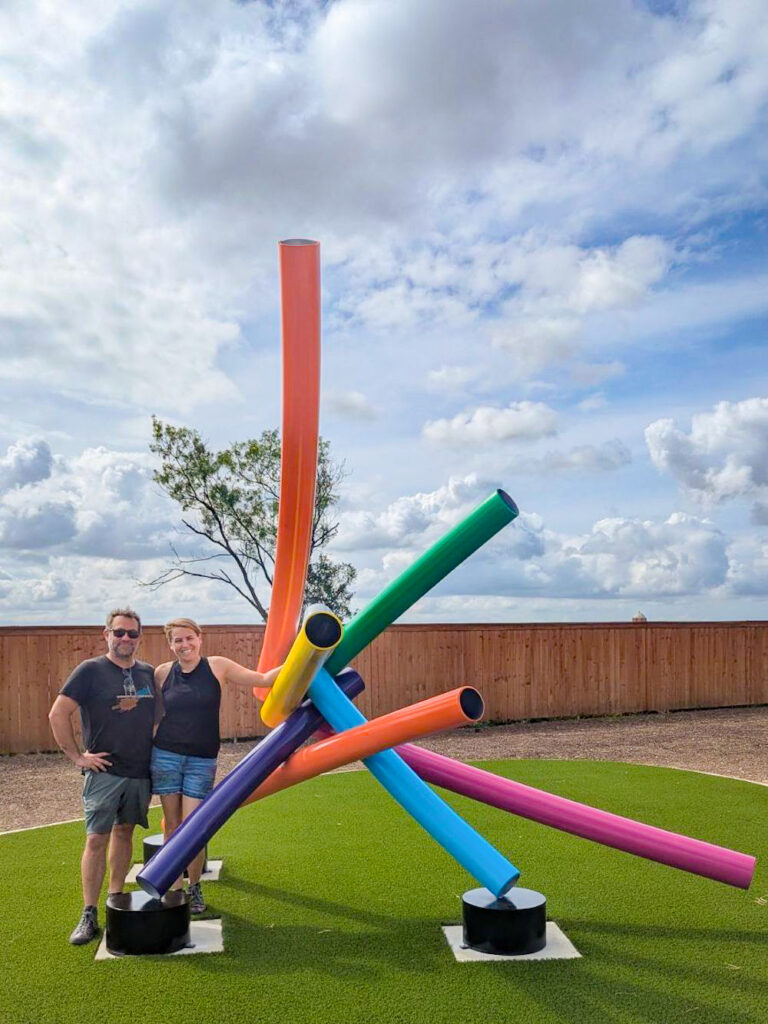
(207, 818)
(474, 853)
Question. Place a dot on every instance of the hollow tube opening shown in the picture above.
(472, 703)
(299, 241)
(150, 889)
(508, 501)
(323, 630)
(508, 885)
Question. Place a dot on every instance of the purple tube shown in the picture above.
(700, 858)
(224, 799)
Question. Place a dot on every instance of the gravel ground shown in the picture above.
(39, 789)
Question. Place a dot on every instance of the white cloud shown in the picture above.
(98, 503)
(92, 266)
(591, 375)
(387, 62)
(719, 62)
(157, 156)
(618, 560)
(49, 589)
(451, 378)
(699, 309)
(351, 404)
(536, 342)
(748, 571)
(25, 462)
(446, 281)
(682, 555)
(724, 456)
(412, 518)
(586, 458)
(560, 285)
(593, 402)
(42, 525)
(78, 540)
(31, 597)
(586, 281)
(399, 304)
(519, 421)
(528, 202)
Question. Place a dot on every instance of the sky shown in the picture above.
(543, 230)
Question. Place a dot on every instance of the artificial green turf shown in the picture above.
(332, 902)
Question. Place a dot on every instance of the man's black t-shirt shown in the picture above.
(126, 736)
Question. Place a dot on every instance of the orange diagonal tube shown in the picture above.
(300, 304)
(446, 711)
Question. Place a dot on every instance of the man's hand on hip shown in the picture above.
(93, 762)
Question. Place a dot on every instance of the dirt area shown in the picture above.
(39, 789)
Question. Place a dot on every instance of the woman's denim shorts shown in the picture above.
(182, 773)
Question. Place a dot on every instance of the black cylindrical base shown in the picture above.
(138, 924)
(508, 926)
(153, 843)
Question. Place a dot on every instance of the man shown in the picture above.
(115, 695)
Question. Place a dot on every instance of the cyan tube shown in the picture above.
(207, 818)
(474, 853)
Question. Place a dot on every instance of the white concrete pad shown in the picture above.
(204, 937)
(211, 873)
(558, 947)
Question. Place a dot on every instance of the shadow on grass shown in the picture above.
(592, 999)
(365, 956)
(665, 932)
(614, 980)
(314, 903)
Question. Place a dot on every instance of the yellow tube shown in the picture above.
(320, 632)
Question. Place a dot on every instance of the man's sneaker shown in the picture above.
(87, 928)
(196, 901)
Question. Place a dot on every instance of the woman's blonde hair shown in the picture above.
(169, 627)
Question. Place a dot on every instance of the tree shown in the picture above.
(229, 500)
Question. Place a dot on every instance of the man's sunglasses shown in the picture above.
(134, 634)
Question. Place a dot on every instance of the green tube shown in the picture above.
(419, 578)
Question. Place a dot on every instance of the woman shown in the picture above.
(187, 738)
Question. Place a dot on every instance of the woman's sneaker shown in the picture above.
(87, 928)
(196, 901)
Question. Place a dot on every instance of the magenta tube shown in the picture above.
(677, 851)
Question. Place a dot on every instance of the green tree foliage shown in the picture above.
(229, 499)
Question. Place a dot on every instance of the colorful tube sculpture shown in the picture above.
(458, 544)
(207, 818)
(465, 845)
(677, 851)
(320, 633)
(300, 304)
(446, 711)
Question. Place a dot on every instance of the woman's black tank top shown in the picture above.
(191, 722)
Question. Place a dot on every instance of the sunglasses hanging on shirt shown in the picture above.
(128, 684)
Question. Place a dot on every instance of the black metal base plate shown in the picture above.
(509, 925)
(138, 924)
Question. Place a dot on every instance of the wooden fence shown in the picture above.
(523, 671)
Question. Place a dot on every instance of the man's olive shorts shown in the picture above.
(112, 800)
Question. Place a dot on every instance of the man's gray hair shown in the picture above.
(127, 613)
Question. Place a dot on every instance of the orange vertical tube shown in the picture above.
(446, 711)
(300, 303)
